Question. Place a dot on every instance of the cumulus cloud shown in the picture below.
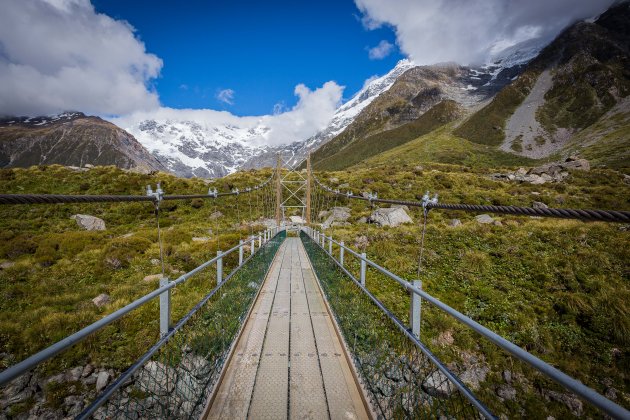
(382, 50)
(472, 31)
(226, 96)
(58, 55)
(313, 111)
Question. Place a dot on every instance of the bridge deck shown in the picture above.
(288, 362)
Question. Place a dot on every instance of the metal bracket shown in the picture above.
(426, 200)
(213, 193)
(158, 195)
(236, 191)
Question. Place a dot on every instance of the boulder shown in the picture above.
(362, 220)
(539, 205)
(390, 217)
(454, 222)
(484, 219)
(336, 214)
(101, 300)
(577, 164)
(88, 222)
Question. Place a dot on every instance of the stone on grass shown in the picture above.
(101, 300)
(361, 242)
(200, 239)
(539, 205)
(390, 217)
(102, 380)
(454, 222)
(484, 219)
(88, 222)
(336, 215)
(152, 277)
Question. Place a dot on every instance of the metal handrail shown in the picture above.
(29, 363)
(575, 386)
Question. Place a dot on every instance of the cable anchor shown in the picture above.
(213, 192)
(158, 194)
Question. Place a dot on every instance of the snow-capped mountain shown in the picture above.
(195, 149)
(212, 149)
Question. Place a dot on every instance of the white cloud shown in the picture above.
(471, 31)
(382, 50)
(58, 55)
(312, 113)
(226, 96)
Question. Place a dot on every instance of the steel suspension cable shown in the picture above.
(618, 216)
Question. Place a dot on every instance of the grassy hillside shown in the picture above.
(359, 150)
(441, 146)
(58, 267)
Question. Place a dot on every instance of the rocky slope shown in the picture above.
(414, 93)
(71, 139)
(578, 79)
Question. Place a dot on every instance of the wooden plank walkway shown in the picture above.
(288, 361)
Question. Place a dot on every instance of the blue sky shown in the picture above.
(259, 49)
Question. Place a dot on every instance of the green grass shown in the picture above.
(359, 150)
(441, 146)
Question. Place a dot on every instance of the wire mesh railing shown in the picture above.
(176, 376)
(403, 378)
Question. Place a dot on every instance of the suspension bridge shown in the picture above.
(292, 331)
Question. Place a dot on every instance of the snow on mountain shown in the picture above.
(197, 149)
(209, 148)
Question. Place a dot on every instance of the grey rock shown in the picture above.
(484, 219)
(539, 205)
(87, 370)
(474, 375)
(101, 300)
(506, 392)
(571, 401)
(394, 216)
(102, 380)
(323, 214)
(437, 385)
(336, 215)
(88, 222)
(74, 374)
(507, 376)
(454, 222)
(346, 185)
(157, 378)
(362, 220)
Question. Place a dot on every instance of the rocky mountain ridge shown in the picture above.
(71, 139)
